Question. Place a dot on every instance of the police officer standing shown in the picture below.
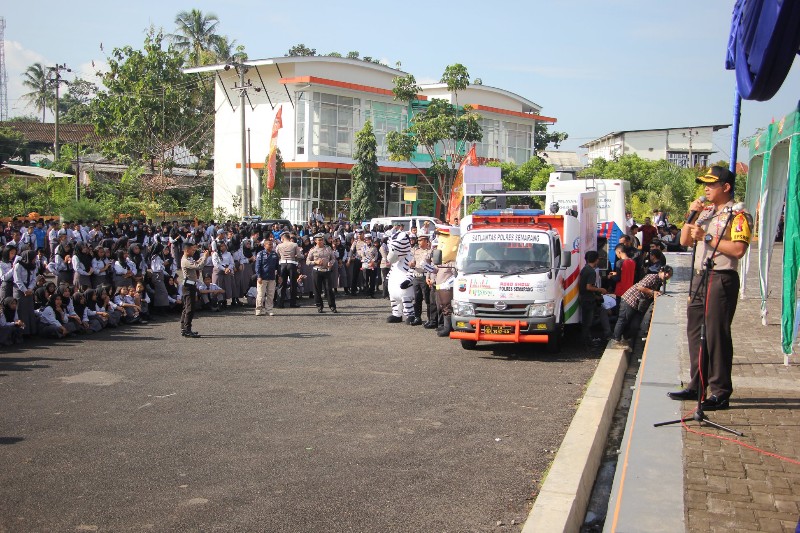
(368, 255)
(190, 267)
(289, 254)
(322, 260)
(722, 237)
(422, 264)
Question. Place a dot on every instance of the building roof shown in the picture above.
(527, 105)
(716, 127)
(44, 132)
(298, 59)
(35, 171)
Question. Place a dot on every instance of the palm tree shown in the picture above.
(195, 34)
(37, 79)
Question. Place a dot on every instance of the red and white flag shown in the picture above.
(273, 149)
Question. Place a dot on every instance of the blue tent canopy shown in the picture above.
(765, 37)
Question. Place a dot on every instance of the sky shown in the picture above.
(595, 66)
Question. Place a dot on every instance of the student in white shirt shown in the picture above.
(11, 327)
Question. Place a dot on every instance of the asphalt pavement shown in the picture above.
(297, 422)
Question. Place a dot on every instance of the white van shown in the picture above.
(408, 222)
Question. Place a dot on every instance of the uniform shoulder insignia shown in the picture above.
(742, 227)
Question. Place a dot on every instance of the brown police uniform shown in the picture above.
(716, 282)
(321, 274)
(189, 269)
(422, 292)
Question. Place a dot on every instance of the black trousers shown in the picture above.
(322, 282)
(385, 276)
(189, 299)
(370, 280)
(289, 275)
(356, 279)
(721, 291)
(421, 293)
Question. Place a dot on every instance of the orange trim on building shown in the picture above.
(297, 165)
(342, 85)
(489, 109)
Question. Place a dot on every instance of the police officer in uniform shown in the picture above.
(422, 291)
(368, 255)
(289, 254)
(722, 236)
(190, 269)
(322, 260)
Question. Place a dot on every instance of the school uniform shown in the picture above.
(25, 280)
(50, 323)
(10, 333)
(222, 262)
(157, 268)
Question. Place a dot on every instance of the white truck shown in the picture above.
(563, 189)
(518, 273)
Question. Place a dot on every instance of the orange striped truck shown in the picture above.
(518, 273)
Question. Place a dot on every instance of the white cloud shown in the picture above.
(18, 59)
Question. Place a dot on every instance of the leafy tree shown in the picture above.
(41, 95)
(365, 175)
(271, 198)
(23, 118)
(12, 143)
(84, 209)
(74, 107)
(334, 54)
(301, 50)
(353, 55)
(146, 111)
(542, 138)
(442, 129)
(196, 34)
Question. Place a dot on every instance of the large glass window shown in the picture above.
(300, 122)
(385, 117)
(505, 141)
(334, 120)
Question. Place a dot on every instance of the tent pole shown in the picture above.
(737, 115)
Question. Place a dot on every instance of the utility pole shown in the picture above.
(242, 87)
(57, 81)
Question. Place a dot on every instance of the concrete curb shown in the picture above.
(562, 500)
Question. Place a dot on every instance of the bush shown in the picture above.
(84, 209)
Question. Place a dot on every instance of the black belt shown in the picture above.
(726, 271)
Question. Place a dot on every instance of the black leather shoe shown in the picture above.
(685, 394)
(714, 403)
(430, 325)
(415, 322)
(394, 319)
(320, 310)
(334, 311)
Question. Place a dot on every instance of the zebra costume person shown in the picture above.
(401, 293)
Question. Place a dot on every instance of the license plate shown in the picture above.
(541, 326)
(498, 330)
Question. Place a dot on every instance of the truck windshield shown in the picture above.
(503, 252)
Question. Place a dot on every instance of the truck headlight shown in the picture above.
(542, 309)
(464, 309)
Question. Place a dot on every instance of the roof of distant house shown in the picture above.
(44, 132)
(715, 127)
(35, 171)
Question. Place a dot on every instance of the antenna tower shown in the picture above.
(3, 75)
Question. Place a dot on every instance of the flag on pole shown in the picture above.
(273, 148)
(457, 191)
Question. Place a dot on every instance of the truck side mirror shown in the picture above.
(566, 259)
(436, 258)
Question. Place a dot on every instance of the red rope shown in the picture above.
(735, 441)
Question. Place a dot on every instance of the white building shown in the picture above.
(676, 145)
(325, 102)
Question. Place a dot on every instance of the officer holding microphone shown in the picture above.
(721, 235)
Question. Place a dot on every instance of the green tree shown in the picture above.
(365, 175)
(12, 143)
(41, 95)
(23, 118)
(542, 138)
(74, 107)
(442, 129)
(301, 50)
(146, 111)
(195, 34)
(271, 198)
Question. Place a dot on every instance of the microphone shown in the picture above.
(693, 214)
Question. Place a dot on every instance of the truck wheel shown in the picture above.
(555, 338)
(468, 345)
